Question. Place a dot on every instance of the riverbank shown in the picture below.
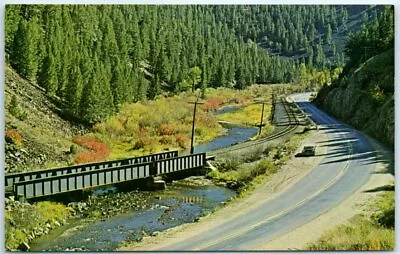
(103, 230)
(25, 222)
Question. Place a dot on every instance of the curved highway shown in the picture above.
(346, 166)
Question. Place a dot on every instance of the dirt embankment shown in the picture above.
(36, 136)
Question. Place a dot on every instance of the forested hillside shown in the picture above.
(315, 33)
(364, 93)
(95, 58)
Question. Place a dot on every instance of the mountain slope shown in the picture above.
(365, 97)
(98, 57)
(35, 134)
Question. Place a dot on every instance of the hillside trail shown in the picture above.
(290, 173)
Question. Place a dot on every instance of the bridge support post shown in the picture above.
(154, 184)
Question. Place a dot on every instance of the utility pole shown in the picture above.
(273, 107)
(194, 120)
(262, 114)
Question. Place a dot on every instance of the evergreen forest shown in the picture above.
(94, 58)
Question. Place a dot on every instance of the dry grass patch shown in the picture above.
(363, 233)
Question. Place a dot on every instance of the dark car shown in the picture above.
(307, 151)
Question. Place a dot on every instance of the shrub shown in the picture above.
(100, 128)
(166, 129)
(148, 123)
(253, 154)
(15, 109)
(25, 218)
(141, 142)
(14, 137)
(182, 140)
(116, 126)
(167, 140)
(249, 173)
(212, 104)
(362, 235)
(206, 120)
(230, 163)
(259, 169)
(198, 131)
(267, 150)
(385, 216)
(50, 211)
(278, 153)
(98, 150)
(73, 149)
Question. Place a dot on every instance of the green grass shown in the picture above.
(24, 219)
(250, 115)
(363, 233)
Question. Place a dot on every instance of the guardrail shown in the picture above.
(10, 179)
(99, 177)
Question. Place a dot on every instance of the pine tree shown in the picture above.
(12, 18)
(194, 77)
(73, 91)
(142, 88)
(25, 49)
(97, 101)
(68, 47)
(240, 76)
(48, 74)
(119, 84)
(328, 37)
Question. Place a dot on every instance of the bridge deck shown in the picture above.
(10, 179)
(98, 177)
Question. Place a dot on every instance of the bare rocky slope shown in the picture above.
(36, 136)
(364, 97)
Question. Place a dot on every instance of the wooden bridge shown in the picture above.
(60, 180)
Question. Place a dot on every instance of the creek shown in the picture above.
(181, 202)
(234, 133)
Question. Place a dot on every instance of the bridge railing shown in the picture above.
(81, 180)
(10, 179)
(98, 177)
(181, 163)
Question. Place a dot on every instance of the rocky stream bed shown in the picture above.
(110, 218)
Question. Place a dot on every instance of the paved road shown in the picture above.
(347, 165)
